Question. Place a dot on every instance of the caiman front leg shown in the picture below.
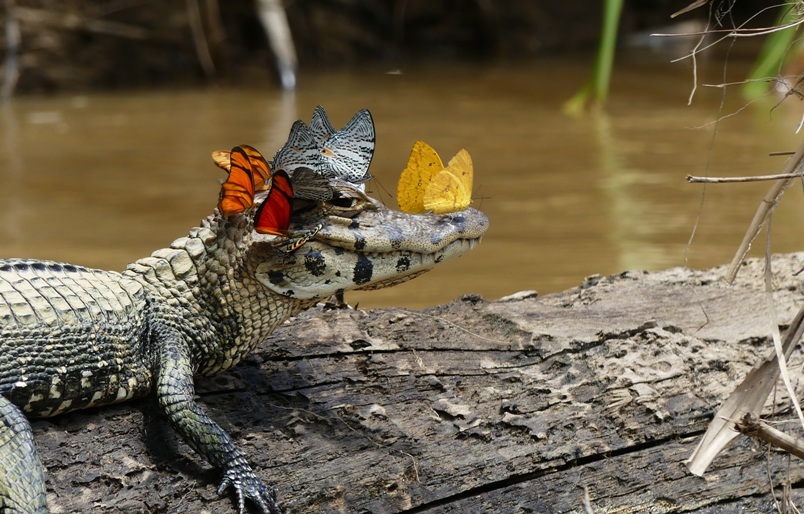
(22, 479)
(175, 391)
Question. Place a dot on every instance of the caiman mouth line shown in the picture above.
(393, 232)
(335, 243)
(449, 248)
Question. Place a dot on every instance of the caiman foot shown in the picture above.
(248, 485)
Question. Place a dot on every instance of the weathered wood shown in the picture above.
(474, 406)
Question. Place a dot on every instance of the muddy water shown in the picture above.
(101, 180)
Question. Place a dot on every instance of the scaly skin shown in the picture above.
(73, 337)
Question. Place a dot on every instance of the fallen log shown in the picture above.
(525, 404)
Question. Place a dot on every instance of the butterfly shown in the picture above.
(426, 185)
(346, 153)
(273, 215)
(260, 169)
(301, 149)
(237, 192)
(309, 185)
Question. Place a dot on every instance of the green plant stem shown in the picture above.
(598, 84)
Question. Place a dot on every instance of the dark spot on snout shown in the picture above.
(354, 225)
(454, 221)
(277, 278)
(435, 239)
(396, 237)
(364, 270)
(360, 242)
(403, 264)
(315, 263)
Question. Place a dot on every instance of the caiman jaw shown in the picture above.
(375, 249)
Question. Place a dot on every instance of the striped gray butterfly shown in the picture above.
(346, 153)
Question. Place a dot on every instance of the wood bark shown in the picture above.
(520, 405)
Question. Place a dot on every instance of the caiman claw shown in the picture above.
(248, 485)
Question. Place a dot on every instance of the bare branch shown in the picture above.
(727, 180)
(752, 426)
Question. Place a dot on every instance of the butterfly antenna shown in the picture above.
(480, 198)
(383, 189)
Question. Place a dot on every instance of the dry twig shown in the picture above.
(752, 178)
(748, 397)
(767, 206)
(752, 426)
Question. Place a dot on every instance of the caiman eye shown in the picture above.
(344, 202)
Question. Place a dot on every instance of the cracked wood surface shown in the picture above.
(510, 406)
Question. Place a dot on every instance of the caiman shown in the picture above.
(73, 337)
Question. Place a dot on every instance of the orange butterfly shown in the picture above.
(248, 172)
(273, 216)
(261, 171)
(237, 193)
(259, 168)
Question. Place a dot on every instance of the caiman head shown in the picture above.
(239, 285)
(361, 244)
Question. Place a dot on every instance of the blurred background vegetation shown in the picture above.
(71, 45)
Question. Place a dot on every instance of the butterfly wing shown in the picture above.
(423, 164)
(461, 166)
(309, 185)
(301, 149)
(221, 158)
(348, 152)
(273, 216)
(234, 198)
(237, 192)
(320, 126)
(260, 169)
(451, 190)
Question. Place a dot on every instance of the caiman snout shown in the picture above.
(375, 249)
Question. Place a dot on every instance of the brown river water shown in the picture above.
(103, 179)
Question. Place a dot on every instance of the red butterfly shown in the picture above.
(249, 172)
(273, 216)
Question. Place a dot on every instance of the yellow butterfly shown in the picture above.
(426, 185)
